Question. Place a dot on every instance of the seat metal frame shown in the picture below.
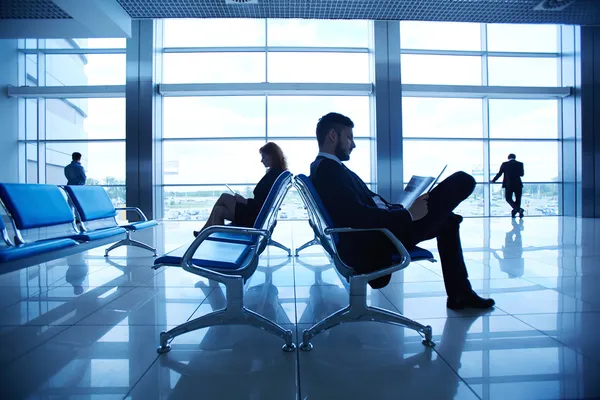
(356, 283)
(234, 313)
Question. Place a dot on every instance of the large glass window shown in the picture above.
(214, 33)
(428, 157)
(214, 116)
(540, 158)
(318, 67)
(85, 69)
(298, 115)
(57, 127)
(213, 140)
(213, 67)
(440, 36)
(522, 71)
(476, 135)
(318, 33)
(104, 162)
(522, 38)
(441, 117)
(523, 118)
(441, 70)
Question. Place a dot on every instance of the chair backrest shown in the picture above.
(268, 212)
(91, 202)
(35, 205)
(317, 213)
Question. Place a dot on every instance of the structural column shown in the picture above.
(388, 103)
(588, 91)
(141, 117)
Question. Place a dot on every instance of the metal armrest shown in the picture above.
(404, 256)
(6, 238)
(137, 210)
(186, 261)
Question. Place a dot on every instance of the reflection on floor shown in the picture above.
(87, 327)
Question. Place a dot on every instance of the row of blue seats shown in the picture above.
(83, 214)
(230, 255)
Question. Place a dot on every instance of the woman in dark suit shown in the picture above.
(239, 210)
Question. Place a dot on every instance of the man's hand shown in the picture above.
(240, 199)
(418, 209)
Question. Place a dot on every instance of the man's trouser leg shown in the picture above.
(518, 194)
(441, 223)
(508, 194)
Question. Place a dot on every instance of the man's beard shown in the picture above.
(341, 154)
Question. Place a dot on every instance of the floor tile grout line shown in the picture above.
(597, 363)
(456, 372)
(4, 368)
(141, 376)
(296, 325)
(561, 293)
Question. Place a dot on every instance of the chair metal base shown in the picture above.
(358, 311)
(128, 241)
(312, 242)
(280, 246)
(234, 313)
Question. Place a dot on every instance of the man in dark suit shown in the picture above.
(513, 171)
(351, 204)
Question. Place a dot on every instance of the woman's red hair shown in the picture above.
(277, 158)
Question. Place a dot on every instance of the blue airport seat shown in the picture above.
(230, 255)
(93, 204)
(211, 254)
(327, 235)
(11, 252)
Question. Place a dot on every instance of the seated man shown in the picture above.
(351, 204)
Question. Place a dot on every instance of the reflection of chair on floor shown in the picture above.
(262, 298)
(260, 370)
(358, 365)
(316, 269)
(512, 261)
(63, 351)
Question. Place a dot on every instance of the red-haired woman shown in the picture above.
(241, 211)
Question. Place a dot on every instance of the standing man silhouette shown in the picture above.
(74, 172)
(513, 171)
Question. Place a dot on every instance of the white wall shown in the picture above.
(9, 112)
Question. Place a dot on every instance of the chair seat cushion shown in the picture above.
(417, 254)
(233, 238)
(98, 234)
(31, 249)
(211, 254)
(136, 226)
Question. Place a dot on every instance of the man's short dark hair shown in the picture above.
(331, 121)
(511, 155)
(76, 156)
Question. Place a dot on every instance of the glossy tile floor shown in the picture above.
(87, 327)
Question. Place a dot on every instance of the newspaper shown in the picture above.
(417, 186)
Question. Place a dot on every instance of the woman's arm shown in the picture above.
(241, 199)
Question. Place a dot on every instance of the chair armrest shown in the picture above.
(186, 260)
(137, 210)
(404, 255)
